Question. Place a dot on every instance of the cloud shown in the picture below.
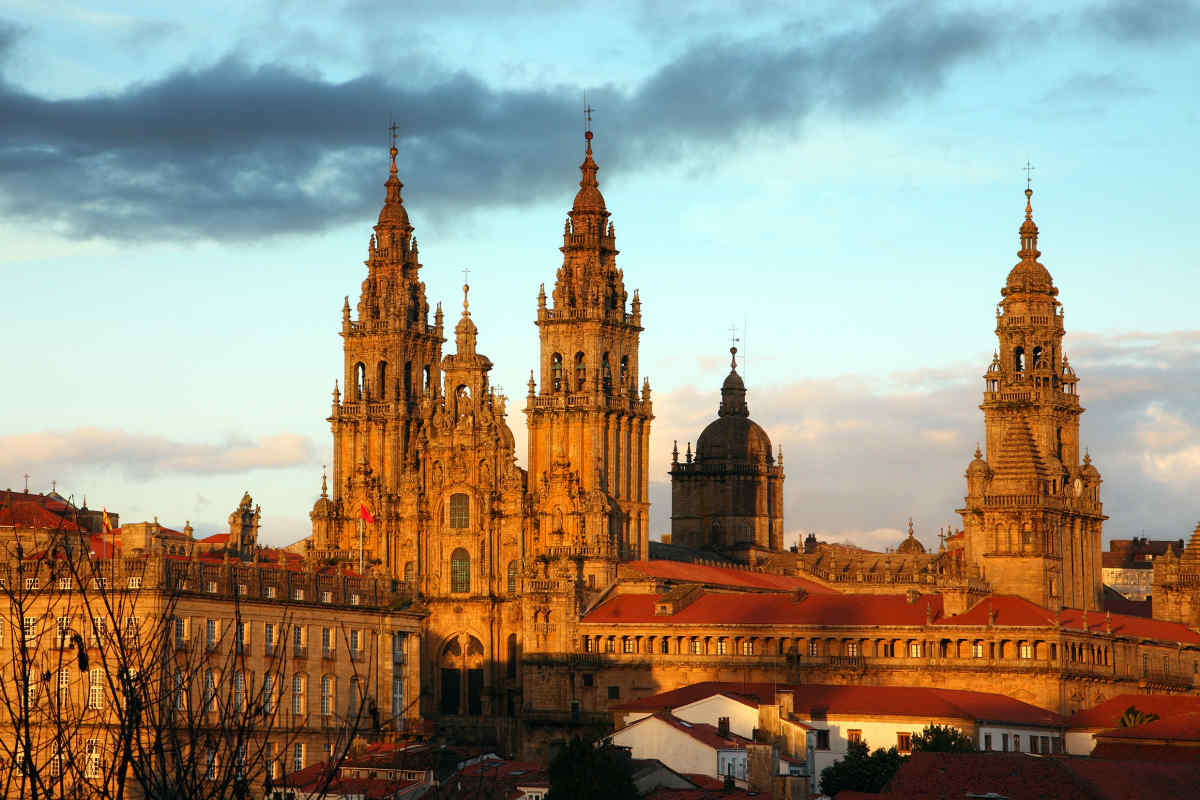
(142, 457)
(234, 150)
(1144, 21)
(863, 453)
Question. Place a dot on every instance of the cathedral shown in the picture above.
(545, 599)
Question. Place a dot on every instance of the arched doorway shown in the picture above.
(461, 665)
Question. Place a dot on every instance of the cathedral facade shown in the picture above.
(545, 600)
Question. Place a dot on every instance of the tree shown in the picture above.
(1134, 716)
(942, 739)
(588, 770)
(110, 687)
(861, 770)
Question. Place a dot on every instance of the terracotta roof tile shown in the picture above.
(1182, 727)
(685, 572)
(1018, 612)
(751, 694)
(1108, 713)
(26, 514)
(766, 609)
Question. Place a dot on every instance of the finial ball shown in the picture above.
(587, 135)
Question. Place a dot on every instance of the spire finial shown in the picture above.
(587, 119)
(324, 484)
(910, 528)
(1029, 168)
(393, 128)
(978, 452)
(466, 288)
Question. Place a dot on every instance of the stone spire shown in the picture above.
(1029, 274)
(465, 332)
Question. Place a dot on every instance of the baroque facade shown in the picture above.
(547, 602)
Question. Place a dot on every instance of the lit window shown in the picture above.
(587, 644)
(460, 510)
(271, 592)
(64, 584)
(854, 735)
(326, 596)
(1026, 650)
(697, 647)
(747, 648)
(812, 647)
(851, 648)
(31, 583)
(722, 646)
(298, 594)
(904, 742)
(211, 587)
(609, 645)
(64, 686)
(353, 599)
(914, 649)
(95, 688)
(298, 756)
(91, 768)
(627, 645)
(134, 582)
(977, 650)
(242, 589)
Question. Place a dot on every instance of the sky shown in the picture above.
(187, 193)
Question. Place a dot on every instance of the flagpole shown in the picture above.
(361, 524)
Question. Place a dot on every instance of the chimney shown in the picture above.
(723, 727)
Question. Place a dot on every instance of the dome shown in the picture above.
(393, 212)
(1028, 272)
(910, 546)
(977, 467)
(1089, 469)
(589, 199)
(734, 439)
(323, 507)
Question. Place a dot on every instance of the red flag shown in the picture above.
(364, 513)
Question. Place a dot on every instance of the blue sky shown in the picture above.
(186, 196)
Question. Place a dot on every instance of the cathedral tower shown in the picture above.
(589, 425)
(392, 358)
(1033, 515)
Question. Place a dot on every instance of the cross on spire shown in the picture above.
(733, 338)
(1029, 168)
(466, 274)
(587, 114)
(392, 129)
(26, 483)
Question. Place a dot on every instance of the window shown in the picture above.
(353, 599)
(327, 642)
(268, 693)
(747, 647)
(410, 571)
(977, 649)
(580, 371)
(298, 640)
(298, 593)
(722, 646)
(822, 740)
(664, 645)
(587, 644)
(242, 637)
(132, 630)
(210, 690)
(697, 647)
(326, 695)
(31, 583)
(243, 590)
(589, 679)
(987, 741)
(326, 596)
(271, 592)
(1016, 742)
(397, 696)
(854, 735)
(627, 645)
(1026, 650)
(210, 764)
(460, 570)
(904, 742)
(298, 756)
(30, 625)
(914, 649)
(460, 510)
(91, 769)
(64, 585)
(297, 694)
(64, 687)
(180, 691)
(31, 691)
(614, 693)
(356, 642)
(609, 645)
(64, 631)
(512, 577)
(134, 582)
(212, 633)
(1004, 742)
(556, 371)
(812, 647)
(95, 688)
(851, 648)
(211, 587)
(180, 627)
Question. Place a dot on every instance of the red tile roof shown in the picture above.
(1018, 612)
(711, 575)
(1146, 751)
(1021, 776)
(922, 702)
(704, 794)
(216, 538)
(27, 514)
(1108, 713)
(1183, 727)
(772, 609)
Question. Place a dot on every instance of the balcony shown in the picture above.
(328, 654)
(356, 655)
(299, 652)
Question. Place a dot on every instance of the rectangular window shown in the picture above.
(132, 629)
(722, 646)
(1045, 744)
(64, 687)
(747, 648)
(1004, 742)
(30, 624)
(397, 696)
(211, 587)
(297, 694)
(587, 644)
(812, 647)
(854, 735)
(609, 645)
(298, 593)
(904, 742)
(298, 756)
(241, 635)
(31, 583)
(356, 640)
(134, 582)
(1016, 742)
(1033, 744)
(64, 631)
(272, 769)
(64, 585)
(1026, 650)
(977, 650)
(822, 740)
(697, 647)
(326, 695)
(327, 642)
(95, 688)
(627, 645)
(614, 693)
(460, 510)
(91, 768)
(180, 691)
(271, 592)
(269, 636)
(589, 679)
(212, 633)
(851, 648)
(326, 596)
(210, 764)
(180, 632)
(353, 599)
(914, 649)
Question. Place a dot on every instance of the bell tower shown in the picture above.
(1033, 514)
(392, 360)
(589, 422)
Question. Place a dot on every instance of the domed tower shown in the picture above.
(1033, 515)
(391, 358)
(729, 496)
(589, 421)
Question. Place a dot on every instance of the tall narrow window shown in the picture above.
(268, 693)
(556, 371)
(298, 756)
(408, 380)
(460, 510)
(326, 695)
(95, 688)
(512, 577)
(1019, 359)
(409, 572)
(425, 379)
(460, 571)
(360, 380)
(381, 377)
(605, 372)
(1037, 357)
(297, 694)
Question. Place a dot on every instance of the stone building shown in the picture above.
(728, 498)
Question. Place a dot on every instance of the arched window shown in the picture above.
(408, 381)
(1037, 357)
(460, 571)
(381, 385)
(512, 577)
(460, 511)
(360, 380)
(425, 379)
(409, 572)
(556, 371)
(1019, 359)
(624, 369)
(605, 372)
(580, 372)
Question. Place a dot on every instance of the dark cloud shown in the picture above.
(1091, 88)
(1145, 21)
(240, 151)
